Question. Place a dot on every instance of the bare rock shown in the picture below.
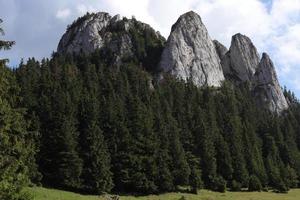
(242, 59)
(220, 48)
(118, 38)
(266, 86)
(190, 53)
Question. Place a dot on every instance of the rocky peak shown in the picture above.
(190, 53)
(84, 34)
(241, 60)
(118, 38)
(266, 86)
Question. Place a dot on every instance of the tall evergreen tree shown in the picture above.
(16, 146)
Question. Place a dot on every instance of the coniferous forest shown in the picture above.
(78, 123)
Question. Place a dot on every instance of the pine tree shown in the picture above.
(180, 167)
(232, 131)
(164, 178)
(96, 174)
(16, 146)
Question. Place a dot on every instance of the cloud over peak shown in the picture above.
(63, 13)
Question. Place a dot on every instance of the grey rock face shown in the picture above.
(242, 59)
(220, 48)
(85, 36)
(102, 31)
(190, 53)
(266, 86)
(241, 63)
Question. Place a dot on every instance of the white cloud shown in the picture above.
(287, 49)
(136, 8)
(82, 9)
(225, 18)
(63, 13)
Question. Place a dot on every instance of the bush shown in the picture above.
(195, 180)
(219, 184)
(291, 179)
(236, 186)
(281, 187)
(254, 184)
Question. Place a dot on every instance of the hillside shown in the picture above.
(119, 109)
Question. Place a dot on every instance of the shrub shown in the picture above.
(236, 186)
(254, 184)
(280, 187)
(219, 184)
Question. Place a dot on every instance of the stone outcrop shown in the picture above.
(116, 36)
(241, 64)
(266, 86)
(190, 53)
(242, 59)
(220, 48)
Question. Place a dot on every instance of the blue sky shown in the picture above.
(273, 25)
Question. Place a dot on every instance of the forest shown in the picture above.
(77, 123)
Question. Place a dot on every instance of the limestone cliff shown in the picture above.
(190, 53)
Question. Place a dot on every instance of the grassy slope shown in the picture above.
(49, 194)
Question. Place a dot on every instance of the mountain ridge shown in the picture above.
(188, 54)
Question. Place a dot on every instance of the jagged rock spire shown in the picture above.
(242, 59)
(190, 53)
(266, 86)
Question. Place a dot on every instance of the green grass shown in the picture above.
(50, 194)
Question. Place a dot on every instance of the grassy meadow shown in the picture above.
(51, 194)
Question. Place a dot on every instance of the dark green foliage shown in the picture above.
(148, 45)
(280, 187)
(180, 168)
(79, 20)
(235, 186)
(254, 184)
(195, 180)
(15, 146)
(291, 178)
(219, 184)
(5, 45)
(96, 175)
(105, 129)
(16, 141)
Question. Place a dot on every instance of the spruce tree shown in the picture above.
(16, 146)
(96, 174)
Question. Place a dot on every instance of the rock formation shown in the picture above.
(119, 38)
(220, 48)
(190, 53)
(242, 59)
(241, 64)
(266, 86)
